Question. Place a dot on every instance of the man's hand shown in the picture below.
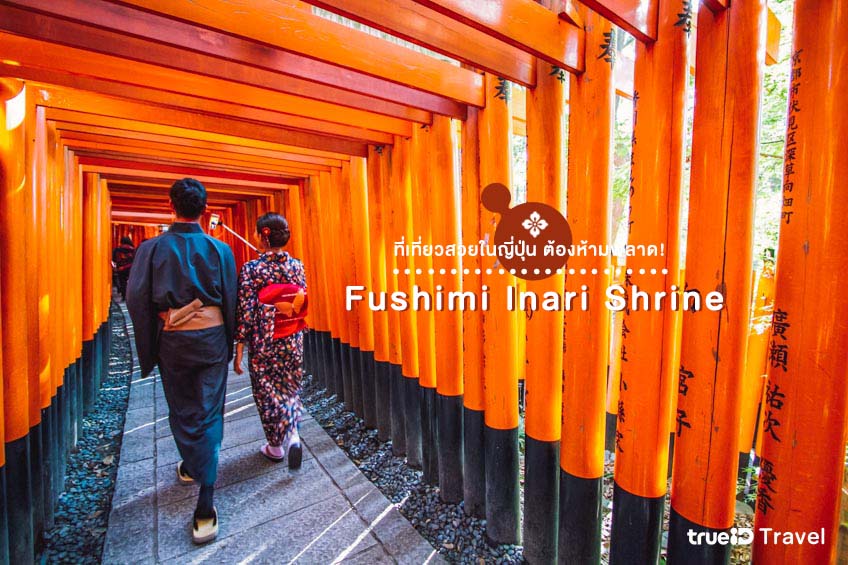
(238, 359)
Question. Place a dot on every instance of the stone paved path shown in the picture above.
(326, 512)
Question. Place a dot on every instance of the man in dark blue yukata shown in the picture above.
(181, 296)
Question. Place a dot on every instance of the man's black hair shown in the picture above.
(189, 198)
(126, 240)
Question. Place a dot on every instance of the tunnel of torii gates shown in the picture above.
(362, 142)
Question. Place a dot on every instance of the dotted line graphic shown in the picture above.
(618, 271)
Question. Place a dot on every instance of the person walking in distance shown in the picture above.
(122, 257)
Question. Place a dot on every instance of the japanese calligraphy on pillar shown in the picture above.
(622, 384)
(791, 144)
(765, 488)
(778, 357)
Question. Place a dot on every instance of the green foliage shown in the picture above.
(772, 137)
(742, 483)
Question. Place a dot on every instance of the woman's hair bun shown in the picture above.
(274, 228)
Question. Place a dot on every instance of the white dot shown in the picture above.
(582, 271)
(501, 271)
(396, 271)
(653, 271)
(641, 271)
(523, 271)
(629, 271)
(466, 271)
(570, 271)
(477, 271)
(453, 271)
(417, 271)
(536, 271)
(547, 271)
(432, 271)
(594, 271)
(559, 271)
(606, 271)
(665, 271)
(511, 271)
(406, 271)
(488, 271)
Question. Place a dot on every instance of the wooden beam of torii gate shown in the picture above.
(98, 153)
(133, 170)
(524, 24)
(212, 160)
(149, 191)
(228, 144)
(157, 189)
(296, 30)
(639, 17)
(161, 120)
(98, 148)
(109, 74)
(135, 34)
(636, 17)
(418, 24)
(94, 88)
(273, 182)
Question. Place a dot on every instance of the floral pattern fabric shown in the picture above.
(275, 365)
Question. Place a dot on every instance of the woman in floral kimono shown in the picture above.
(269, 319)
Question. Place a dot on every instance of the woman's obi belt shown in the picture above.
(291, 304)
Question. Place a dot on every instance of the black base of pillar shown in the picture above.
(88, 374)
(332, 370)
(337, 369)
(580, 519)
(62, 421)
(450, 440)
(412, 400)
(474, 471)
(367, 376)
(57, 475)
(383, 381)
(37, 462)
(636, 528)
(670, 454)
(323, 347)
(609, 433)
(80, 409)
(502, 494)
(19, 502)
(50, 465)
(429, 447)
(347, 379)
(104, 354)
(680, 550)
(397, 412)
(355, 364)
(4, 522)
(541, 500)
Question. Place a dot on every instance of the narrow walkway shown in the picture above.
(327, 512)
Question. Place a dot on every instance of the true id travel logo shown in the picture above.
(745, 536)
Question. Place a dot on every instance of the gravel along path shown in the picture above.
(457, 537)
(83, 511)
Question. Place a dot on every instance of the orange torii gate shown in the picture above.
(363, 143)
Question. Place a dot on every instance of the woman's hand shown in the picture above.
(238, 359)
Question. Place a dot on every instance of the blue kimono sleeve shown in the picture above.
(143, 314)
(229, 293)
